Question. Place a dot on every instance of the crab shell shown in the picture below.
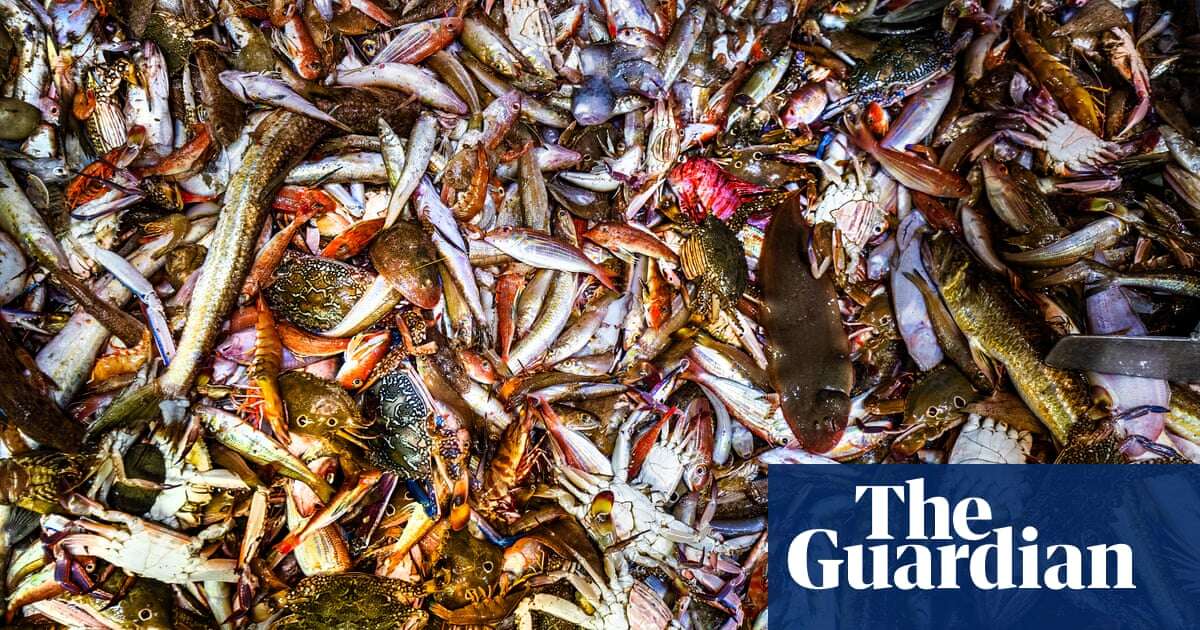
(401, 414)
(316, 293)
(986, 441)
(713, 255)
(628, 516)
(317, 406)
(351, 600)
(148, 550)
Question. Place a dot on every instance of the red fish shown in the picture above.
(703, 188)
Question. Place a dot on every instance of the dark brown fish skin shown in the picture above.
(27, 408)
(121, 324)
(224, 113)
(808, 353)
(174, 35)
(994, 322)
(406, 257)
(137, 15)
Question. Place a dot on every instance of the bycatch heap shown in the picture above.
(498, 311)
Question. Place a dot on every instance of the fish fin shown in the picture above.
(19, 524)
(989, 368)
(132, 409)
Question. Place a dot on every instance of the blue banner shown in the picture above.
(983, 546)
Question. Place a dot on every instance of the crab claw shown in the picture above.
(362, 355)
(835, 108)
(72, 572)
(337, 507)
(578, 482)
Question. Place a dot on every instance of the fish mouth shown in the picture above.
(943, 258)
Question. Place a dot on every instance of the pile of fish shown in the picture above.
(381, 314)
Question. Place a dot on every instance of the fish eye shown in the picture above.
(145, 614)
(302, 421)
(878, 229)
(960, 402)
(488, 565)
(391, 509)
(932, 411)
(356, 382)
(332, 422)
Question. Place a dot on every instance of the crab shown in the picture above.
(142, 547)
(315, 293)
(898, 68)
(166, 490)
(847, 217)
(663, 455)
(319, 408)
(1071, 148)
(712, 255)
(1101, 441)
(713, 208)
(619, 602)
(618, 514)
(404, 444)
(351, 600)
(119, 601)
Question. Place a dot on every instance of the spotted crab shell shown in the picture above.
(316, 293)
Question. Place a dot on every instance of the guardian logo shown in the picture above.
(913, 566)
(980, 547)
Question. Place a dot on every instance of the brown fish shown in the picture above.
(808, 353)
(405, 256)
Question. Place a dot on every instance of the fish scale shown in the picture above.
(994, 323)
